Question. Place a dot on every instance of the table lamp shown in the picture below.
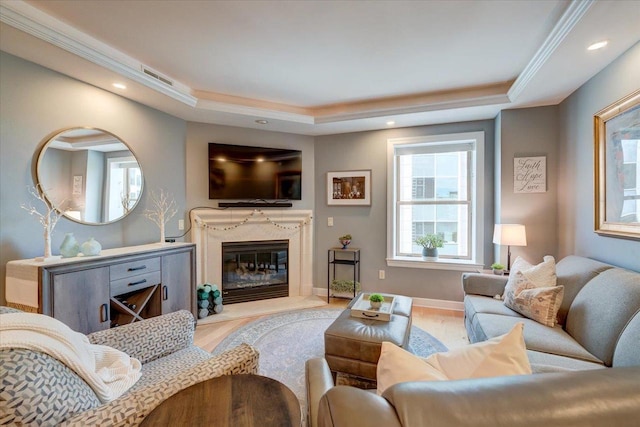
(510, 235)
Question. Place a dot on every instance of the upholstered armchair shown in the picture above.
(39, 390)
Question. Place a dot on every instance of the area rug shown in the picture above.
(286, 340)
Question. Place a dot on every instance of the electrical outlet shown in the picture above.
(380, 274)
(181, 224)
(330, 221)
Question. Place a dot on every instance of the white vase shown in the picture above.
(91, 247)
(69, 247)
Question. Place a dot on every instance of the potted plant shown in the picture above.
(430, 244)
(345, 240)
(376, 300)
(497, 268)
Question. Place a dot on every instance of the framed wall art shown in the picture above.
(617, 168)
(530, 174)
(349, 188)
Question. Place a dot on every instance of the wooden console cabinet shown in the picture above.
(117, 287)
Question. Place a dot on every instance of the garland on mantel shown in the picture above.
(251, 215)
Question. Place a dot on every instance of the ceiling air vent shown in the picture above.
(157, 76)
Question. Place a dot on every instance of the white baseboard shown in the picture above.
(419, 302)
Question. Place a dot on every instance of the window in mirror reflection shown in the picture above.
(124, 184)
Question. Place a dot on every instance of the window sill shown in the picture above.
(440, 264)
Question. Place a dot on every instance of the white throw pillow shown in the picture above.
(542, 275)
(499, 356)
(539, 304)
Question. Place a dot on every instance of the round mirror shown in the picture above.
(89, 174)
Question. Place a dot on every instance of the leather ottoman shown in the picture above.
(352, 345)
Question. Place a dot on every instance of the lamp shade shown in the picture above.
(510, 234)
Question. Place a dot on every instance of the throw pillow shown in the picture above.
(539, 304)
(541, 276)
(499, 356)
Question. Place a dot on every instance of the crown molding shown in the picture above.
(29, 19)
(434, 101)
(263, 113)
(569, 19)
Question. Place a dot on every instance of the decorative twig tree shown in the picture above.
(48, 219)
(164, 208)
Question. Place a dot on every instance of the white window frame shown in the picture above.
(476, 171)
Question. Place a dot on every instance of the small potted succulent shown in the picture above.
(430, 244)
(345, 240)
(376, 300)
(497, 268)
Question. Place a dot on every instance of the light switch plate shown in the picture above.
(330, 221)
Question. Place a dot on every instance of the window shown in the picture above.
(435, 185)
(124, 186)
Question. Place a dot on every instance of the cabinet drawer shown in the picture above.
(134, 268)
(134, 283)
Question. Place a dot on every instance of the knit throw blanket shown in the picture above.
(108, 371)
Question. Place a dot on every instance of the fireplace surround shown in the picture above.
(212, 227)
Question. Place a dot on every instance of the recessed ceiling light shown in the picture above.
(391, 123)
(262, 122)
(598, 45)
(119, 86)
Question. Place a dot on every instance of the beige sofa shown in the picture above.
(39, 390)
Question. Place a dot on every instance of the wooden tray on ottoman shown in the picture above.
(362, 308)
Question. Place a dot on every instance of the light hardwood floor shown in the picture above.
(445, 325)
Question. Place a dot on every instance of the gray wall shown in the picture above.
(199, 135)
(37, 102)
(368, 224)
(527, 132)
(576, 164)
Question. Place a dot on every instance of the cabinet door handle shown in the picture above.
(165, 293)
(104, 313)
(139, 282)
(142, 267)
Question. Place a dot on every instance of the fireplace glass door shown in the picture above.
(254, 270)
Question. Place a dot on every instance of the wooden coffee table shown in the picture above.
(230, 400)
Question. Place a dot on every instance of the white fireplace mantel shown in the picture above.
(211, 227)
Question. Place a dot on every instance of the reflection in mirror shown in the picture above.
(90, 174)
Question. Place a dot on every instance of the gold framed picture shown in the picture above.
(617, 168)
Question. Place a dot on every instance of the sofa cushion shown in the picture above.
(627, 352)
(169, 366)
(546, 362)
(602, 309)
(573, 272)
(536, 336)
(39, 390)
(541, 275)
(474, 304)
(537, 303)
(499, 356)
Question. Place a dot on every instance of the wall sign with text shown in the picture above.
(530, 174)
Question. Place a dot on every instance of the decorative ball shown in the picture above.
(218, 308)
(204, 303)
(214, 287)
(216, 293)
(217, 301)
(207, 288)
(202, 313)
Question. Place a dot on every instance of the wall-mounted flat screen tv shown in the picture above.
(238, 172)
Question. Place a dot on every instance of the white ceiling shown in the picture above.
(322, 67)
